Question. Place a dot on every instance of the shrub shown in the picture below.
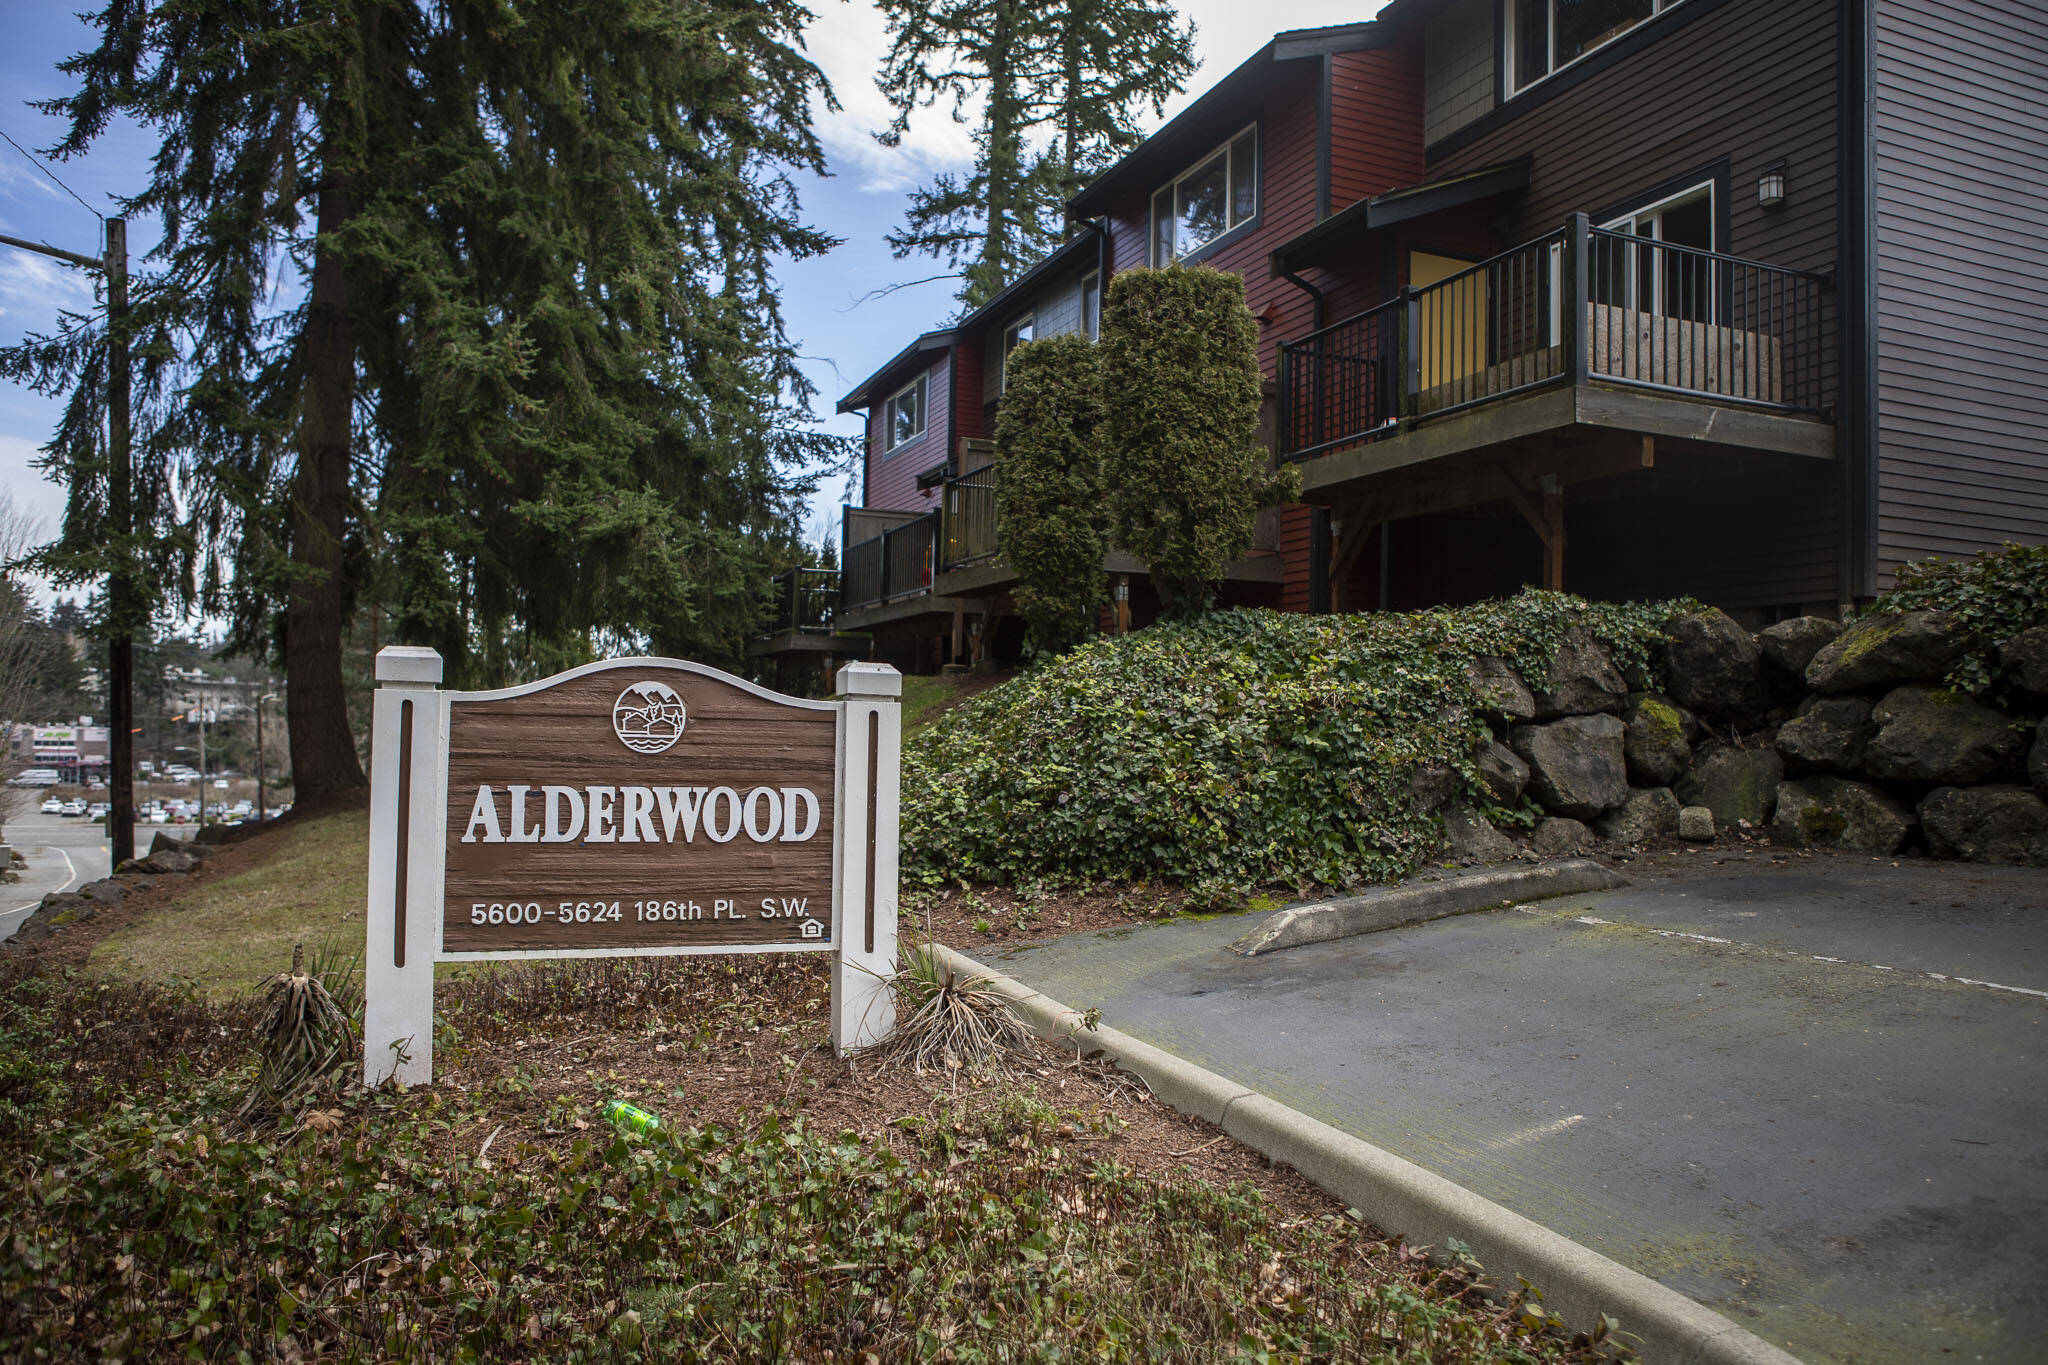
(1993, 596)
(1049, 514)
(1245, 748)
(1180, 377)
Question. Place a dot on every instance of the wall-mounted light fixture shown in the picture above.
(1770, 186)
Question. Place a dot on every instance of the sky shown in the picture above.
(842, 331)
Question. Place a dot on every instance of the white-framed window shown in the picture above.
(1543, 37)
(1091, 305)
(1216, 194)
(903, 415)
(1014, 335)
(1667, 283)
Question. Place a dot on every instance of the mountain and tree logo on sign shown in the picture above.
(648, 717)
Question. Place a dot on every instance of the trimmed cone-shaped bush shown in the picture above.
(1181, 386)
(1050, 517)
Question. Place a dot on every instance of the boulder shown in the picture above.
(1834, 812)
(1738, 785)
(1498, 690)
(1470, 836)
(2025, 657)
(1696, 824)
(163, 861)
(1576, 766)
(1715, 666)
(1558, 836)
(1502, 770)
(1657, 742)
(1582, 681)
(193, 847)
(2037, 757)
(1789, 646)
(106, 891)
(1928, 735)
(1986, 824)
(1828, 735)
(1646, 815)
(1886, 648)
(1429, 788)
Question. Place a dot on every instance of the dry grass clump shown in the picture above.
(950, 1022)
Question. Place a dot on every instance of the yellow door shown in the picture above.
(1449, 330)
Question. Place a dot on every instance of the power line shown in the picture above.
(53, 175)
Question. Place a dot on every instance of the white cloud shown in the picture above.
(34, 288)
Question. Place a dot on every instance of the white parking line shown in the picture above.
(1595, 921)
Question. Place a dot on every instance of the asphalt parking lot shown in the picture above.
(1810, 1093)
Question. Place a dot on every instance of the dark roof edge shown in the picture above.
(1060, 255)
(1404, 205)
(1290, 45)
(863, 395)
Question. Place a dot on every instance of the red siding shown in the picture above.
(968, 414)
(1375, 122)
(1294, 557)
(892, 478)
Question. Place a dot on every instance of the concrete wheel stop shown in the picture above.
(1396, 1195)
(1419, 902)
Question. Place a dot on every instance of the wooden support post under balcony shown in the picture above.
(959, 632)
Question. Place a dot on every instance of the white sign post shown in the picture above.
(633, 807)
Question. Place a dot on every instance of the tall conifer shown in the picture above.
(1054, 87)
(476, 317)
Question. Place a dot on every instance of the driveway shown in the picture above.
(1811, 1093)
(63, 854)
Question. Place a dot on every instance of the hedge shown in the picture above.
(1049, 509)
(1241, 749)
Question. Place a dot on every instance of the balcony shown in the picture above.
(802, 605)
(1584, 330)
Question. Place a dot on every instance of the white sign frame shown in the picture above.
(409, 730)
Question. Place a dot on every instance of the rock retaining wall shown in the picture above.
(1809, 733)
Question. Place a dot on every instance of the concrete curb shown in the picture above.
(1394, 1194)
(1420, 901)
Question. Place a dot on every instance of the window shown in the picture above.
(1091, 305)
(1216, 194)
(1546, 36)
(903, 415)
(1668, 283)
(1015, 335)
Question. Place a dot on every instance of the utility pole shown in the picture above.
(112, 263)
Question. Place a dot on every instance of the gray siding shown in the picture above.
(1752, 82)
(1060, 311)
(1961, 122)
(1457, 67)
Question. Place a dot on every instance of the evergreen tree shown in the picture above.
(1060, 86)
(1185, 481)
(477, 320)
(1049, 496)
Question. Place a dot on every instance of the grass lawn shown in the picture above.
(227, 932)
(924, 698)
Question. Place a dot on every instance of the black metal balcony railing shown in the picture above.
(803, 599)
(969, 511)
(894, 564)
(1578, 303)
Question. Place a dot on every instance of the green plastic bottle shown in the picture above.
(631, 1116)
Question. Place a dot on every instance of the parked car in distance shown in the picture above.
(53, 806)
(75, 806)
(98, 810)
(159, 816)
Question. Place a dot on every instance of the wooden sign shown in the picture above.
(627, 808)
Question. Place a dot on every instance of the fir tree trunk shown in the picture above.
(325, 769)
(1005, 154)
